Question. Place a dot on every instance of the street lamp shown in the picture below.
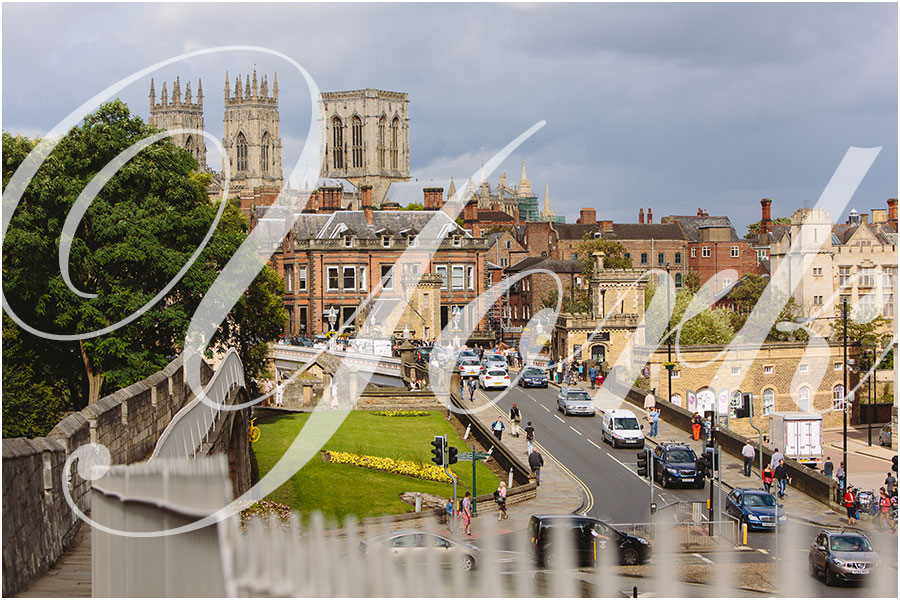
(669, 366)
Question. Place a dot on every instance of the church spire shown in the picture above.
(227, 87)
(165, 95)
(524, 184)
(238, 94)
(275, 88)
(200, 93)
(255, 93)
(176, 91)
(451, 191)
(187, 93)
(152, 94)
(247, 88)
(524, 176)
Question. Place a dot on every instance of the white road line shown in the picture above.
(595, 445)
(763, 550)
(573, 429)
(558, 417)
(703, 558)
(547, 409)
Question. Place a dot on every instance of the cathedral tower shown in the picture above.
(364, 137)
(181, 114)
(252, 138)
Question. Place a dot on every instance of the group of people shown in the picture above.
(887, 499)
(273, 392)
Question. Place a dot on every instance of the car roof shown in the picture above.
(620, 412)
(674, 444)
(575, 389)
(752, 491)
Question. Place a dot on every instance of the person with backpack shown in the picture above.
(529, 438)
(536, 461)
(471, 385)
(497, 427)
(592, 373)
(500, 499)
(515, 417)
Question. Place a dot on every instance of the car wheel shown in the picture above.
(829, 577)
(549, 560)
(663, 481)
(467, 563)
(613, 443)
(813, 572)
(630, 556)
(641, 447)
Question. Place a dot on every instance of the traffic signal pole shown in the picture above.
(449, 474)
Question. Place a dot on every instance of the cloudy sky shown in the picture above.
(667, 106)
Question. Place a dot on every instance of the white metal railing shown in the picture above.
(192, 425)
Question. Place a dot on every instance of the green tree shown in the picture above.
(137, 234)
(580, 302)
(615, 255)
(413, 206)
(871, 336)
(753, 228)
(746, 296)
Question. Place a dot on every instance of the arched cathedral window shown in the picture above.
(241, 152)
(356, 129)
(395, 143)
(264, 154)
(382, 125)
(189, 146)
(337, 149)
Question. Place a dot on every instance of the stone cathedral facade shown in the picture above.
(364, 138)
(181, 113)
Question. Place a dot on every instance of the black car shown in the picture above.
(533, 377)
(590, 536)
(676, 463)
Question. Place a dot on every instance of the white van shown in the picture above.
(621, 428)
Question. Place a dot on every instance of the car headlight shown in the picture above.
(837, 562)
(752, 517)
(643, 541)
(672, 471)
(616, 435)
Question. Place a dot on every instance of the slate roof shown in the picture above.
(494, 215)
(540, 262)
(692, 226)
(353, 222)
(644, 231)
(575, 231)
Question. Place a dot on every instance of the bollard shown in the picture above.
(509, 483)
(418, 502)
(744, 532)
(634, 593)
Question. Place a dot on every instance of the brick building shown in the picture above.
(527, 295)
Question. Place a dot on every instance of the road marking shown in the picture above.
(558, 417)
(704, 559)
(763, 550)
(594, 445)
(547, 409)
(573, 429)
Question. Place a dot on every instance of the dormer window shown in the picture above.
(411, 240)
(457, 241)
(386, 241)
(348, 242)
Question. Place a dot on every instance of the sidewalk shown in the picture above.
(797, 505)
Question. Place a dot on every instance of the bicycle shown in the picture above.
(254, 431)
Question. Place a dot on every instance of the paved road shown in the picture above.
(618, 495)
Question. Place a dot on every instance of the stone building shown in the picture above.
(528, 295)
(252, 139)
(181, 114)
(775, 377)
(364, 137)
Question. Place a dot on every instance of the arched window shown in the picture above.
(678, 258)
(382, 125)
(838, 397)
(356, 137)
(264, 153)
(189, 146)
(678, 281)
(661, 258)
(395, 143)
(644, 258)
(676, 399)
(768, 401)
(337, 149)
(803, 403)
(598, 353)
(241, 152)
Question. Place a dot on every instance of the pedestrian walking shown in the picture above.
(559, 371)
(776, 457)
(707, 430)
(500, 499)
(839, 475)
(768, 476)
(850, 505)
(497, 427)
(466, 513)
(462, 388)
(279, 395)
(653, 418)
(650, 400)
(592, 373)
(529, 438)
(471, 390)
(828, 469)
(749, 453)
(696, 425)
(515, 417)
(884, 507)
(536, 461)
(781, 477)
(889, 481)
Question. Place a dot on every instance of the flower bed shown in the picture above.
(400, 413)
(389, 465)
(270, 511)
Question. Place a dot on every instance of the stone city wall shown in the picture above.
(38, 523)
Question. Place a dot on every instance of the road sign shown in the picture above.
(481, 455)
(464, 456)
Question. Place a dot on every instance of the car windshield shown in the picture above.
(626, 423)
(759, 500)
(496, 373)
(680, 455)
(578, 397)
(495, 358)
(533, 373)
(850, 543)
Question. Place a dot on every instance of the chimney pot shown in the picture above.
(641, 216)
(892, 210)
(649, 215)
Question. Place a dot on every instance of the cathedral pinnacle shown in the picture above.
(238, 94)
(227, 86)
(152, 94)
(255, 93)
(165, 95)
(275, 87)
(200, 92)
(451, 191)
(247, 89)
(547, 199)
(187, 93)
(176, 91)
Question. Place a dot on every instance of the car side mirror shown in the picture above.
(822, 548)
(642, 426)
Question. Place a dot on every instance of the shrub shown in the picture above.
(409, 468)
(400, 413)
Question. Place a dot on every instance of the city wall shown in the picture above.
(38, 523)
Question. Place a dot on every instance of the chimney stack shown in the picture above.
(649, 215)
(433, 198)
(765, 225)
(365, 203)
(892, 211)
(606, 225)
(641, 216)
(588, 217)
(470, 218)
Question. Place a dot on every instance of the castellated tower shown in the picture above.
(252, 138)
(181, 114)
(364, 137)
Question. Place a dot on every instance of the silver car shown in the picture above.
(884, 436)
(842, 556)
(411, 547)
(494, 361)
(575, 401)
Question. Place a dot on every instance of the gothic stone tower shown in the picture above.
(252, 139)
(364, 137)
(180, 114)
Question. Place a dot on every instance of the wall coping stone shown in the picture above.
(69, 426)
(19, 447)
(92, 411)
(46, 443)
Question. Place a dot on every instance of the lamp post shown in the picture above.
(668, 331)
(846, 370)
(873, 383)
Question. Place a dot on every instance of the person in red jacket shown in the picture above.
(768, 476)
(850, 503)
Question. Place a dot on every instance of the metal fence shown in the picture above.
(191, 426)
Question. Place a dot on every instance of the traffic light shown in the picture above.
(894, 463)
(451, 454)
(437, 450)
(642, 464)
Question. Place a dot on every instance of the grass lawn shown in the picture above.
(340, 490)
